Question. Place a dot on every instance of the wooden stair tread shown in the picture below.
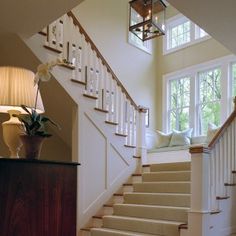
(101, 110)
(71, 67)
(146, 165)
(98, 217)
(42, 33)
(78, 82)
(108, 205)
(86, 229)
(129, 146)
(136, 174)
(222, 198)
(52, 49)
(90, 96)
(128, 184)
(118, 194)
(183, 226)
(111, 122)
(215, 212)
(228, 184)
(122, 135)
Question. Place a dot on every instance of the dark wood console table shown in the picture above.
(37, 198)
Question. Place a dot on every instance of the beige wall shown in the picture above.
(106, 22)
(58, 104)
(196, 54)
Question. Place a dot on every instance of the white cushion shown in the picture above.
(211, 132)
(163, 139)
(181, 138)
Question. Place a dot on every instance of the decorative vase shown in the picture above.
(32, 146)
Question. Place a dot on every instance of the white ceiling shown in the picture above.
(216, 17)
(26, 17)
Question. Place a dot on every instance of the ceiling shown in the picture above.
(26, 17)
(216, 17)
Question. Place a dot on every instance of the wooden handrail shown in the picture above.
(227, 123)
(222, 130)
(93, 46)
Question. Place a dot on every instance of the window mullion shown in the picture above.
(192, 31)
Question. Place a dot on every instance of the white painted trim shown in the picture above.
(224, 63)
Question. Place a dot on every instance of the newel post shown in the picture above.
(199, 214)
(141, 149)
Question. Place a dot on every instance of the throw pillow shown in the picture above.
(181, 138)
(211, 132)
(163, 139)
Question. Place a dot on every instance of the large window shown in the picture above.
(180, 33)
(199, 95)
(209, 98)
(179, 103)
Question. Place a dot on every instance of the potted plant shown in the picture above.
(35, 124)
(35, 131)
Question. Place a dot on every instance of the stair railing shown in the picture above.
(67, 37)
(213, 169)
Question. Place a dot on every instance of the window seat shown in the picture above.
(170, 154)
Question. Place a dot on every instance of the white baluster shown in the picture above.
(115, 105)
(100, 84)
(65, 37)
(120, 109)
(105, 85)
(110, 96)
(125, 118)
(57, 34)
(128, 114)
(133, 130)
(51, 37)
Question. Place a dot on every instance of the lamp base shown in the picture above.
(11, 131)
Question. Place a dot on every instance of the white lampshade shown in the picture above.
(17, 88)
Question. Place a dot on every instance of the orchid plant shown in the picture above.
(34, 123)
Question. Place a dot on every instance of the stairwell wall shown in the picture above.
(106, 22)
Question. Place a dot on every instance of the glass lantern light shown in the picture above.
(147, 18)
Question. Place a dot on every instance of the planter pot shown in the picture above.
(32, 146)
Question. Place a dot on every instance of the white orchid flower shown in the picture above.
(43, 71)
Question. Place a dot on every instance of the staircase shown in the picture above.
(106, 118)
(158, 204)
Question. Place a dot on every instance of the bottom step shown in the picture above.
(115, 232)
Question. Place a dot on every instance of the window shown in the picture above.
(134, 40)
(180, 33)
(179, 103)
(199, 95)
(209, 99)
(234, 79)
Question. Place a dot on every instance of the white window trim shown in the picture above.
(175, 20)
(225, 63)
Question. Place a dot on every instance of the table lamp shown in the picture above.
(16, 89)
